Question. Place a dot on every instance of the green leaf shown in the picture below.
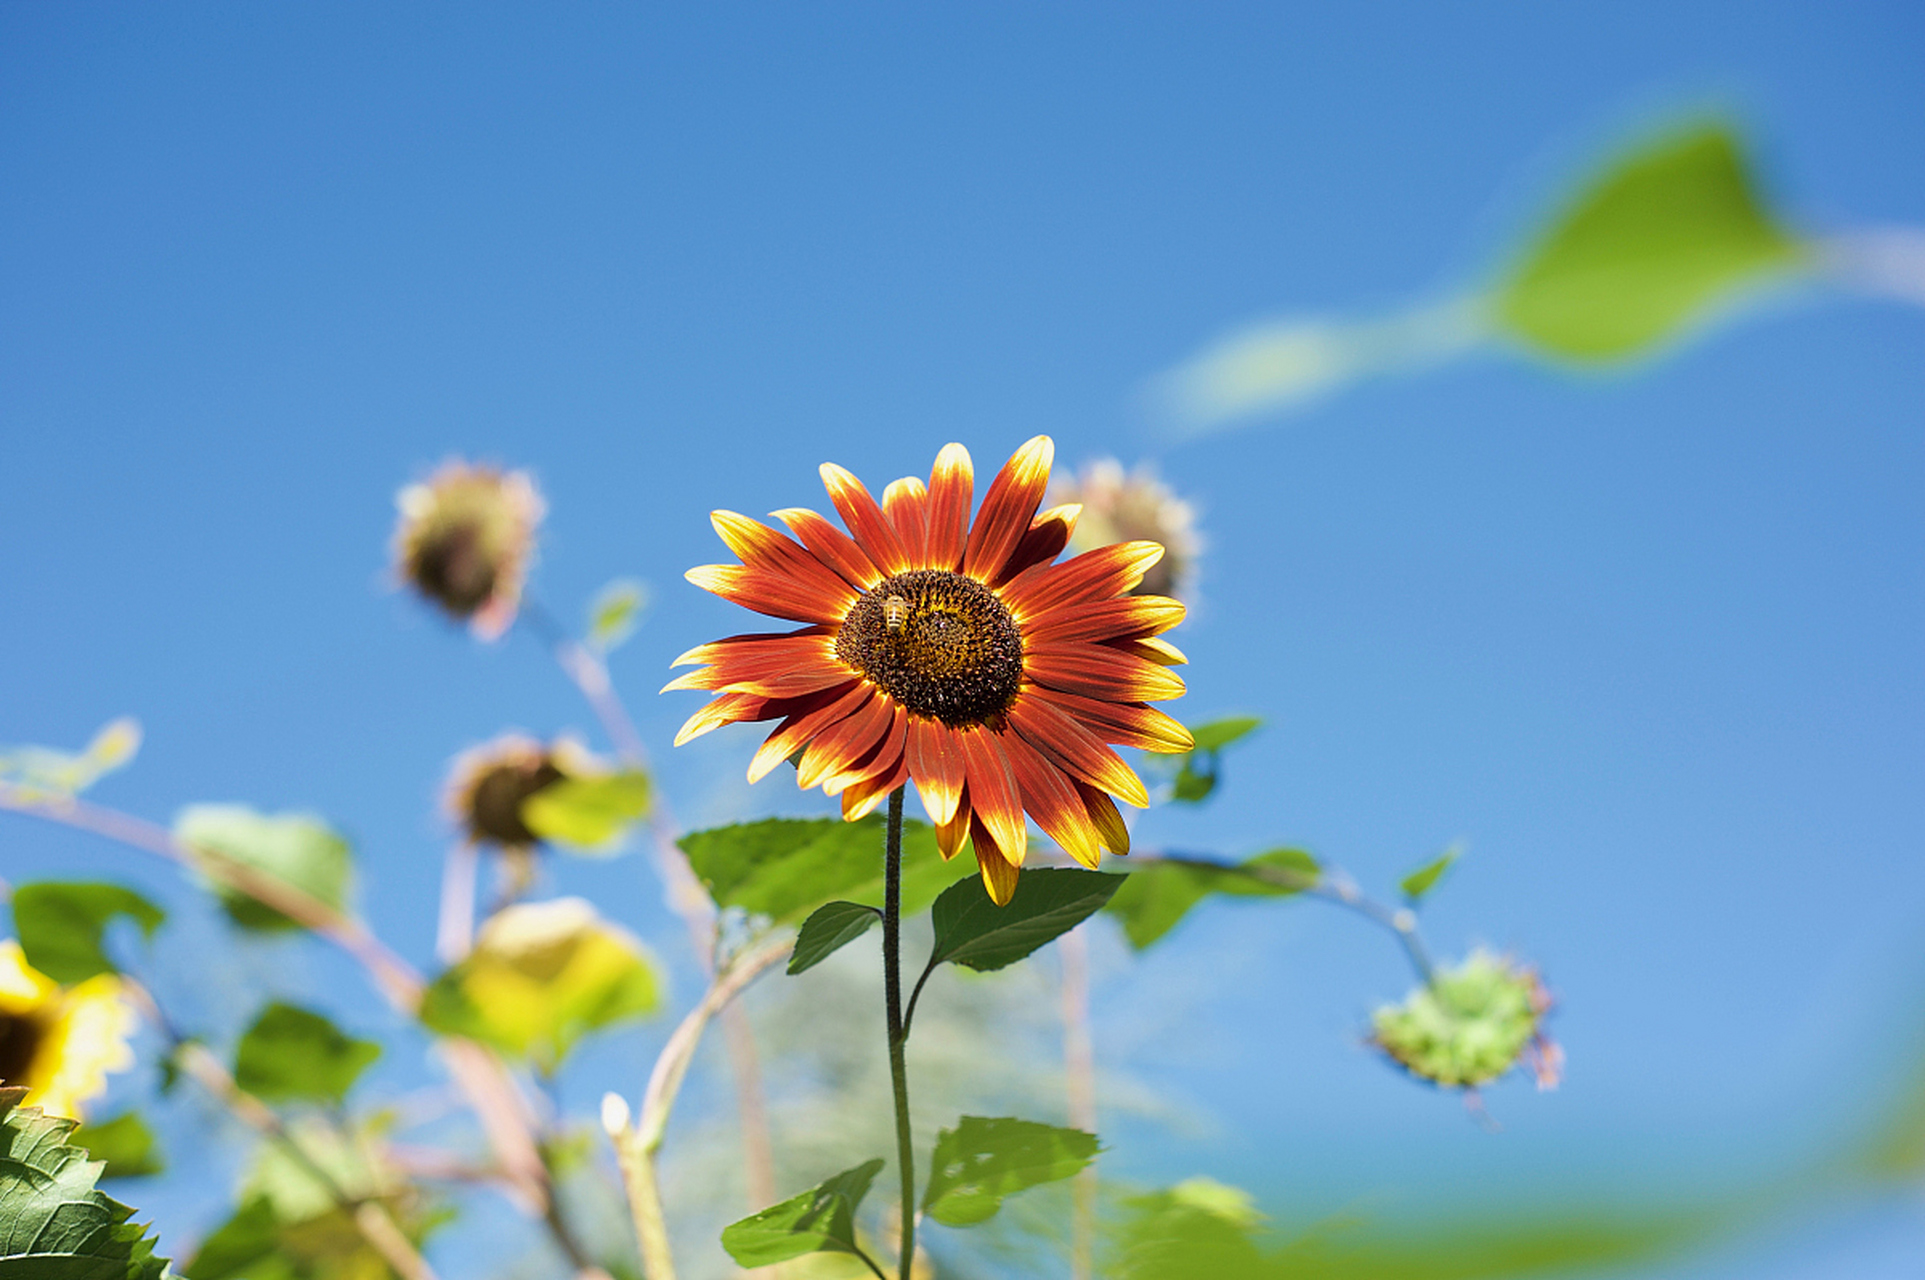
(1160, 893)
(981, 1161)
(589, 814)
(44, 771)
(784, 868)
(249, 1238)
(541, 976)
(55, 1224)
(1192, 786)
(125, 1143)
(1654, 243)
(833, 925)
(294, 1054)
(613, 614)
(301, 851)
(1425, 878)
(60, 925)
(972, 930)
(1218, 734)
(820, 1219)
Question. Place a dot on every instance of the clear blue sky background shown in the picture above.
(1651, 645)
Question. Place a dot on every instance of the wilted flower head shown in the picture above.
(60, 1042)
(465, 539)
(489, 784)
(1133, 506)
(1472, 1024)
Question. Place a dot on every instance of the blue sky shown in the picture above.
(1648, 644)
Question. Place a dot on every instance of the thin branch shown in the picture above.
(454, 934)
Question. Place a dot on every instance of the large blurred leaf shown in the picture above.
(60, 925)
(541, 976)
(589, 814)
(125, 1143)
(981, 1161)
(55, 1224)
(301, 851)
(828, 929)
(784, 868)
(1161, 892)
(1657, 240)
(292, 1054)
(821, 1218)
(1048, 902)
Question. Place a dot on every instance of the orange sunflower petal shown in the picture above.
(1098, 671)
(1126, 724)
(952, 484)
(1048, 534)
(906, 503)
(1053, 802)
(831, 546)
(1152, 649)
(868, 524)
(1077, 751)
(1094, 575)
(999, 874)
(951, 834)
(936, 766)
(772, 551)
(727, 709)
(810, 716)
(1102, 812)
(776, 594)
(774, 666)
(1125, 617)
(993, 793)
(861, 798)
(1012, 500)
(882, 758)
(846, 741)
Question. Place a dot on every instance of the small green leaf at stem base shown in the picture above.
(1425, 878)
(982, 1161)
(61, 925)
(972, 930)
(299, 850)
(820, 1219)
(831, 927)
(291, 1054)
(125, 1143)
(588, 814)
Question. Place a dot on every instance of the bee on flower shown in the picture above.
(1132, 506)
(59, 1042)
(957, 656)
(464, 541)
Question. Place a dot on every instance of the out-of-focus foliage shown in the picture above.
(541, 976)
(45, 772)
(821, 1218)
(614, 614)
(784, 868)
(1160, 893)
(125, 1142)
(62, 925)
(1425, 878)
(55, 1224)
(1199, 769)
(591, 813)
(971, 930)
(300, 851)
(1468, 1026)
(292, 1054)
(1658, 239)
(981, 1161)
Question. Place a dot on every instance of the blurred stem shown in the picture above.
(1079, 1068)
(370, 1217)
(636, 1147)
(455, 930)
(480, 1074)
(898, 1030)
(686, 895)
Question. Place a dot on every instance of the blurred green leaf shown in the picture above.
(831, 927)
(1161, 892)
(45, 771)
(1199, 769)
(1218, 734)
(125, 1143)
(1048, 902)
(1197, 1230)
(541, 976)
(613, 614)
(1651, 245)
(55, 1223)
(298, 850)
(821, 1218)
(785, 868)
(290, 1054)
(1425, 878)
(588, 814)
(981, 1161)
(249, 1238)
(60, 925)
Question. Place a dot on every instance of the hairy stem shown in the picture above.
(898, 1032)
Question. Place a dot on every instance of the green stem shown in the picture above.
(898, 1033)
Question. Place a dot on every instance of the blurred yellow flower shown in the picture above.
(60, 1042)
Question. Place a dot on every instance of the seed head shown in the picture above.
(1471, 1025)
(1135, 506)
(465, 539)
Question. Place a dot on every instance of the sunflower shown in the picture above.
(465, 539)
(60, 1042)
(959, 657)
(1119, 506)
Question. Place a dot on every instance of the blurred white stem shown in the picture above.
(1887, 261)
(455, 931)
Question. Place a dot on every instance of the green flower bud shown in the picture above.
(1471, 1025)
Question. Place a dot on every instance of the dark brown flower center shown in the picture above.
(494, 806)
(20, 1037)
(937, 642)
(454, 567)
